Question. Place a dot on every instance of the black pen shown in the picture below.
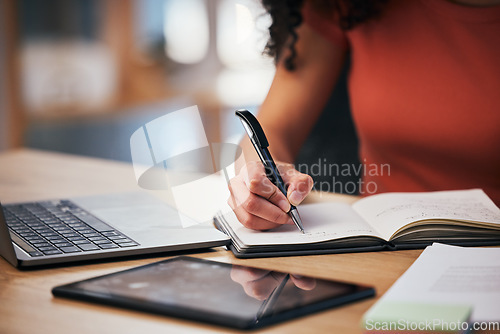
(260, 143)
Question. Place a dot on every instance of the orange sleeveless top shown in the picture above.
(424, 88)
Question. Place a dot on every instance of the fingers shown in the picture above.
(299, 184)
(254, 211)
(253, 222)
(255, 179)
(258, 203)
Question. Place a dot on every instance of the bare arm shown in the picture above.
(292, 107)
(296, 99)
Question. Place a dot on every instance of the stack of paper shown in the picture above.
(448, 289)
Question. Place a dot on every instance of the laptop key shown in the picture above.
(106, 246)
(46, 248)
(88, 247)
(78, 242)
(70, 249)
(90, 235)
(63, 244)
(55, 238)
(35, 225)
(28, 234)
(111, 233)
(70, 235)
(34, 239)
(41, 244)
(52, 252)
(102, 241)
(35, 253)
(22, 230)
(42, 230)
(76, 238)
(128, 244)
(123, 241)
(116, 237)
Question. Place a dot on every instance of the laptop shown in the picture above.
(97, 227)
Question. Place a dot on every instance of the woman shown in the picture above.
(424, 88)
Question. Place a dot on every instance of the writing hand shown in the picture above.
(258, 203)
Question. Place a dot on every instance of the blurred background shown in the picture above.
(80, 76)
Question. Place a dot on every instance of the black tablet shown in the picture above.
(214, 292)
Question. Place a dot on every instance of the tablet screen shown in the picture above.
(204, 290)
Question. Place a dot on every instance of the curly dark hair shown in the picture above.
(286, 17)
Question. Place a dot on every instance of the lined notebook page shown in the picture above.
(322, 222)
(389, 212)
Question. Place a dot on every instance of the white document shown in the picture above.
(453, 275)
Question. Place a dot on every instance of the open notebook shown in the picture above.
(381, 222)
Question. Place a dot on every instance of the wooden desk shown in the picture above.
(26, 303)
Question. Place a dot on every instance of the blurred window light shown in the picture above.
(240, 87)
(242, 33)
(186, 30)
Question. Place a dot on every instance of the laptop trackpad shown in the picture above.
(141, 216)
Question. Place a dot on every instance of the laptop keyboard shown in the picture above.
(58, 227)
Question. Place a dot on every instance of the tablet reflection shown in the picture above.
(280, 291)
(260, 283)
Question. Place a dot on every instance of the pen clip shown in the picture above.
(252, 127)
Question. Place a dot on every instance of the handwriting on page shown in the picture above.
(459, 208)
(289, 233)
(388, 213)
(321, 223)
(349, 232)
(281, 236)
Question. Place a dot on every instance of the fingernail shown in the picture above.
(295, 198)
(284, 205)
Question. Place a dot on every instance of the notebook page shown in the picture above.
(322, 222)
(389, 212)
